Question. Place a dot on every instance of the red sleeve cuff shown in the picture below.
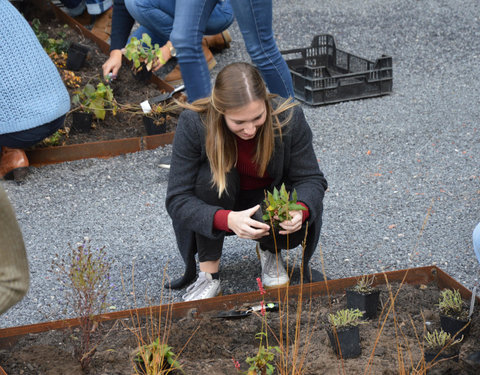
(220, 220)
(305, 213)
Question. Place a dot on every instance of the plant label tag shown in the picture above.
(146, 106)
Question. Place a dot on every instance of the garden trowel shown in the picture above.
(242, 313)
(146, 105)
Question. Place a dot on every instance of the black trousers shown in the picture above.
(235, 199)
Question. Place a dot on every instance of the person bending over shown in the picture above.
(228, 149)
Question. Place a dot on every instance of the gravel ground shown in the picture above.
(403, 169)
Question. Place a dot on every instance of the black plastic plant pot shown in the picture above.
(452, 325)
(141, 369)
(76, 55)
(157, 125)
(434, 356)
(282, 241)
(349, 339)
(81, 122)
(142, 74)
(367, 303)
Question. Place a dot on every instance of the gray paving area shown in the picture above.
(403, 169)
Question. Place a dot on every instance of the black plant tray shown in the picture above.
(323, 74)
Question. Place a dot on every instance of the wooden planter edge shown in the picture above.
(416, 276)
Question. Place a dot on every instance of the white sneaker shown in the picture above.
(204, 287)
(274, 274)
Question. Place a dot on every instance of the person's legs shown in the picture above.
(27, 138)
(190, 24)
(154, 16)
(254, 18)
(476, 241)
(13, 160)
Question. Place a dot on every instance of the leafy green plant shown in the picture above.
(451, 304)
(142, 52)
(364, 285)
(278, 204)
(156, 358)
(437, 340)
(345, 318)
(50, 45)
(96, 100)
(85, 278)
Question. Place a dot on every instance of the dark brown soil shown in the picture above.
(207, 344)
(126, 89)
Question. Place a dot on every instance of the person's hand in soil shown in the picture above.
(113, 64)
(292, 225)
(242, 224)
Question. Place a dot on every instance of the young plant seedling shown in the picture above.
(142, 52)
(279, 204)
(96, 100)
(451, 304)
(364, 285)
(438, 340)
(345, 318)
(155, 358)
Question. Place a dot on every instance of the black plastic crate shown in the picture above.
(323, 74)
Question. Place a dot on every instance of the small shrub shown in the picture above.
(85, 278)
(278, 204)
(437, 340)
(96, 100)
(451, 304)
(345, 318)
(364, 285)
(142, 52)
(156, 358)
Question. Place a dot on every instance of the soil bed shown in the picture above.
(126, 89)
(209, 343)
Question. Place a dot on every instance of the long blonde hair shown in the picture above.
(236, 86)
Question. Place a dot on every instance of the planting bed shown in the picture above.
(208, 344)
(127, 90)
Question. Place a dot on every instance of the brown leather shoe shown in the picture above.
(218, 42)
(13, 164)
(102, 27)
(174, 78)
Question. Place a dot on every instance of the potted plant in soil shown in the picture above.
(155, 121)
(440, 345)
(344, 334)
(91, 102)
(143, 55)
(156, 358)
(364, 296)
(274, 209)
(453, 312)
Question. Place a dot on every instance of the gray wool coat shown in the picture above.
(294, 162)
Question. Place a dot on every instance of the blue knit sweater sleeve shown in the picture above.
(31, 90)
(122, 23)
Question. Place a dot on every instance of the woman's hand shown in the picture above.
(292, 225)
(113, 64)
(166, 55)
(242, 224)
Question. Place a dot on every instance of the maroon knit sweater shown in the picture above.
(249, 180)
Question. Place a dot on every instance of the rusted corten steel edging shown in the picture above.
(195, 309)
(101, 149)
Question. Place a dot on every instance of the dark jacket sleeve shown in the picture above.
(122, 23)
(295, 163)
(187, 156)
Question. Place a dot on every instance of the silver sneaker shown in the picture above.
(204, 287)
(273, 276)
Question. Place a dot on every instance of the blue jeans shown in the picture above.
(254, 18)
(29, 137)
(76, 7)
(476, 241)
(184, 22)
